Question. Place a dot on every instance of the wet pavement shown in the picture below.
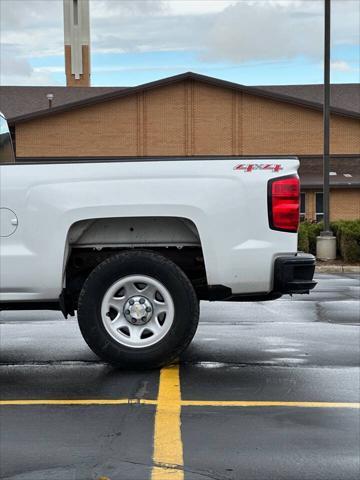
(292, 350)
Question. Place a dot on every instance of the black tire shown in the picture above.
(186, 307)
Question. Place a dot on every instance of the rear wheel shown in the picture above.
(138, 310)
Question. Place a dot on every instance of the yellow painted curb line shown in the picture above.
(184, 403)
(168, 448)
(241, 403)
(124, 401)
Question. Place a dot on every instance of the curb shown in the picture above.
(337, 269)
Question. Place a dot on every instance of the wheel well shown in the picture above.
(92, 241)
(134, 231)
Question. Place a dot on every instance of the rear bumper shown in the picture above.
(294, 274)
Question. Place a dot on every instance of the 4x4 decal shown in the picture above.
(250, 167)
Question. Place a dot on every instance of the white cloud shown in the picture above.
(196, 7)
(114, 9)
(16, 70)
(341, 66)
(225, 30)
(34, 27)
(277, 32)
(276, 29)
(158, 32)
(219, 30)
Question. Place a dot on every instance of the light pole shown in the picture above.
(326, 243)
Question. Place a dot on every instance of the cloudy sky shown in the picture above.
(254, 42)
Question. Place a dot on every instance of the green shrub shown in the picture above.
(313, 230)
(303, 238)
(347, 234)
(348, 240)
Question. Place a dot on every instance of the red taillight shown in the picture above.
(284, 204)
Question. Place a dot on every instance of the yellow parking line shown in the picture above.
(168, 449)
(122, 401)
(185, 403)
(240, 403)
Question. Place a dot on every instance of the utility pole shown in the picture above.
(326, 243)
(326, 115)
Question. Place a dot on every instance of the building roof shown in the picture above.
(18, 101)
(343, 95)
(344, 172)
(24, 103)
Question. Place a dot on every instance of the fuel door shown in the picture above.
(8, 222)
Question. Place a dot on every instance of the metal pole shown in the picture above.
(326, 242)
(326, 115)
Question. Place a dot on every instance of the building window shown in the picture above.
(302, 206)
(319, 206)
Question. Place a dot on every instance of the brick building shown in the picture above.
(195, 115)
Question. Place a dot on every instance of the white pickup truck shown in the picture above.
(133, 245)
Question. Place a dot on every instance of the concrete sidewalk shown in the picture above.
(323, 267)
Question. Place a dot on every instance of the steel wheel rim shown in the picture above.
(122, 305)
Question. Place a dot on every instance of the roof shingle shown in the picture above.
(343, 95)
(345, 172)
(18, 101)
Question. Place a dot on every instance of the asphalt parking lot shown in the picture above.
(266, 390)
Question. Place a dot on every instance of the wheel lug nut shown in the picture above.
(131, 302)
(127, 312)
(148, 309)
(143, 319)
(142, 300)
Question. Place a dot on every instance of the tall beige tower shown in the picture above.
(77, 42)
